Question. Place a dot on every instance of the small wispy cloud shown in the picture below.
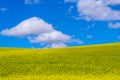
(3, 9)
(114, 25)
(89, 36)
(70, 9)
(70, 1)
(29, 2)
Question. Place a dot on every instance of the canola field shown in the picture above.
(94, 62)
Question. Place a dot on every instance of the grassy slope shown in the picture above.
(94, 62)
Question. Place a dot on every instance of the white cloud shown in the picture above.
(97, 10)
(70, 9)
(39, 31)
(70, 1)
(114, 25)
(32, 1)
(52, 37)
(112, 2)
(57, 45)
(55, 38)
(32, 26)
(3, 9)
(89, 36)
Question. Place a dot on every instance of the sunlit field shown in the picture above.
(95, 62)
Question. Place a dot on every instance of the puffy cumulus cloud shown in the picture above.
(39, 31)
(32, 1)
(97, 10)
(52, 37)
(112, 2)
(114, 25)
(32, 26)
(58, 45)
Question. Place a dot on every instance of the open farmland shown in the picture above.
(95, 62)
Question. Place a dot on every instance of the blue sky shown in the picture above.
(58, 23)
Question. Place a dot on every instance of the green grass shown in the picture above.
(95, 62)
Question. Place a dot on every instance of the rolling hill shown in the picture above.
(94, 62)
